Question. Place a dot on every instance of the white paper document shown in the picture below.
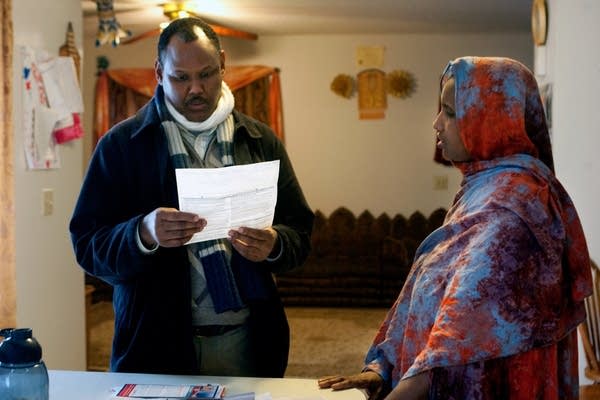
(62, 87)
(229, 197)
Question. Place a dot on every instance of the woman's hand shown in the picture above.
(369, 380)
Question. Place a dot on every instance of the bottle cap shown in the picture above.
(20, 347)
(5, 332)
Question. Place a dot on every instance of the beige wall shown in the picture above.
(50, 297)
(383, 165)
(571, 64)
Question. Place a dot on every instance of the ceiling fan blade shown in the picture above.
(219, 30)
(231, 32)
(144, 35)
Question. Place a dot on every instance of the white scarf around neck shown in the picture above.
(224, 108)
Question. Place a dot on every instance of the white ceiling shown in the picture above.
(266, 17)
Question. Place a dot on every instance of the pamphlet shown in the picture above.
(170, 392)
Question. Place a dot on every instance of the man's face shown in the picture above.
(191, 76)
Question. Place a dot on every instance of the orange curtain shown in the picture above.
(275, 106)
(121, 92)
(7, 212)
(101, 108)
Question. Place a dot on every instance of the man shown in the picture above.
(208, 308)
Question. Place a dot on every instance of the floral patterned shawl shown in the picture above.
(508, 270)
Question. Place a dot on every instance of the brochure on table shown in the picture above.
(175, 392)
(132, 391)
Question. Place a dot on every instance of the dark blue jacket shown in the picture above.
(130, 174)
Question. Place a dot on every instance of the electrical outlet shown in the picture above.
(440, 182)
(47, 202)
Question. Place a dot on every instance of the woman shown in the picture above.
(491, 305)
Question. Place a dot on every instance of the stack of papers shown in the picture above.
(170, 392)
(229, 197)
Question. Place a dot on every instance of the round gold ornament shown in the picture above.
(343, 85)
(401, 84)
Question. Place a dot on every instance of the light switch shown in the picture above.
(47, 202)
(440, 182)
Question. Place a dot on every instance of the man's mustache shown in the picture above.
(195, 100)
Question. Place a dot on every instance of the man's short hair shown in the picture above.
(184, 29)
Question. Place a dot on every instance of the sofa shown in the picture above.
(357, 261)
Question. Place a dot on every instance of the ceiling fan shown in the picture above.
(110, 30)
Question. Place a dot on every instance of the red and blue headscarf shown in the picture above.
(498, 108)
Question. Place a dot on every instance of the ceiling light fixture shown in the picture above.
(181, 9)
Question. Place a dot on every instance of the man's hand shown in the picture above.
(253, 244)
(369, 380)
(169, 227)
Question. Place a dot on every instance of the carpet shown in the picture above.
(328, 341)
(324, 341)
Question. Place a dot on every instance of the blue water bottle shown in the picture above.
(23, 374)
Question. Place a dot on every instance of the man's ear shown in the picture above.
(158, 72)
(222, 61)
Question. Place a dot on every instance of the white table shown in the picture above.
(79, 385)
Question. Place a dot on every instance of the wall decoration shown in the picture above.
(372, 99)
(343, 85)
(370, 56)
(68, 49)
(52, 105)
(401, 83)
(373, 84)
(41, 149)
